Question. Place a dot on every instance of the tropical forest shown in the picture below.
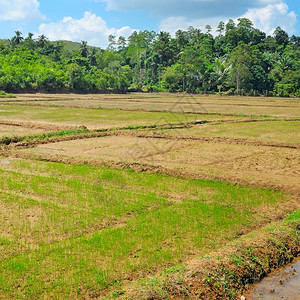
(233, 59)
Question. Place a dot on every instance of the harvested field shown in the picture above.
(114, 193)
(281, 107)
(95, 119)
(16, 130)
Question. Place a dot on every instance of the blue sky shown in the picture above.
(94, 20)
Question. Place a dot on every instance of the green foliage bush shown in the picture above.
(5, 95)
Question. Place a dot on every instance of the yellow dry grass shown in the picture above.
(10, 130)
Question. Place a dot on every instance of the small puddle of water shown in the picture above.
(283, 284)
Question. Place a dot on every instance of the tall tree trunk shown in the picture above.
(140, 79)
(238, 81)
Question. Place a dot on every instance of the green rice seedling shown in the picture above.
(75, 230)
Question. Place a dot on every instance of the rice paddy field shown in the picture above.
(284, 107)
(93, 119)
(269, 131)
(99, 192)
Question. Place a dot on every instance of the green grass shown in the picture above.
(294, 216)
(77, 230)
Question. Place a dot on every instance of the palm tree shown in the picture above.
(83, 49)
(29, 42)
(17, 39)
(42, 41)
(92, 57)
(30, 35)
(220, 70)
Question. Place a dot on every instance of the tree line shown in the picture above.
(239, 59)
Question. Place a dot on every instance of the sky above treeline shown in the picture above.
(94, 20)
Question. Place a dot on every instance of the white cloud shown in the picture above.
(271, 16)
(267, 18)
(178, 14)
(194, 9)
(90, 28)
(20, 10)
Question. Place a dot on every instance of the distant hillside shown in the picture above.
(69, 45)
